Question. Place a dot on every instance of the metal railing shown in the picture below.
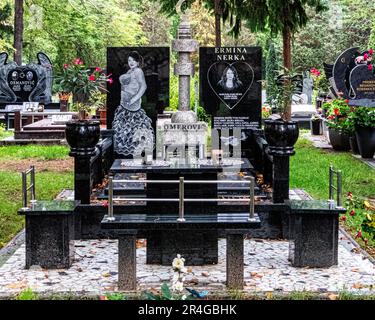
(338, 186)
(181, 199)
(26, 188)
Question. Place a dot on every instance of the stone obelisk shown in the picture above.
(184, 45)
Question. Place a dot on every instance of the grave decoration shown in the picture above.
(183, 136)
(26, 83)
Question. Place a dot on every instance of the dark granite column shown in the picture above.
(127, 262)
(82, 180)
(235, 259)
(280, 178)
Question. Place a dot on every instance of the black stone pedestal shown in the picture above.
(313, 233)
(50, 234)
(127, 265)
(235, 259)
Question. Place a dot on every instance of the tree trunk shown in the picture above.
(287, 55)
(18, 30)
(218, 13)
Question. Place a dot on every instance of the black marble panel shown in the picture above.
(155, 67)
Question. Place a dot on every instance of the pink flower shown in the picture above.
(369, 66)
(105, 203)
(66, 66)
(78, 61)
(110, 80)
(92, 77)
(98, 69)
(371, 51)
(365, 56)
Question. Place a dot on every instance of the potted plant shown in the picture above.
(316, 124)
(364, 124)
(281, 134)
(339, 123)
(84, 83)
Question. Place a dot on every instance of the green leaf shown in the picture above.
(166, 292)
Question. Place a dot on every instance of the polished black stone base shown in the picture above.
(50, 234)
(313, 234)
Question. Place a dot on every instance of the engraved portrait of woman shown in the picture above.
(229, 80)
(133, 132)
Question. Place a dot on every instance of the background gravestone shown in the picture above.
(156, 71)
(28, 83)
(353, 80)
(240, 106)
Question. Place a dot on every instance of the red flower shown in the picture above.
(331, 117)
(346, 101)
(66, 66)
(369, 66)
(365, 56)
(92, 77)
(343, 218)
(105, 203)
(359, 234)
(110, 80)
(336, 111)
(98, 69)
(371, 51)
(352, 213)
(350, 194)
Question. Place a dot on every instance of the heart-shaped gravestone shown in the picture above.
(22, 81)
(230, 81)
(362, 83)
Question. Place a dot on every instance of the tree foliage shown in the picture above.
(6, 27)
(81, 29)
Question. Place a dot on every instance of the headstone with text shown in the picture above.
(230, 85)
(26, 83)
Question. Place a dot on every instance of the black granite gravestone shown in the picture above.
(231, 92)
(353, 79)
(139, 92)
(230, 87)
(362, 82)
(29, 83)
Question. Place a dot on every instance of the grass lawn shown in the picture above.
(48, 184)
(34, 151)
(309, 170)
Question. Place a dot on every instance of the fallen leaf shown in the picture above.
(333, 296)
(358, 286)
(106, 275)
